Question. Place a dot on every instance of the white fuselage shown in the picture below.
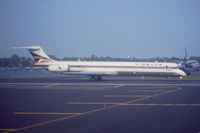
(114, 68)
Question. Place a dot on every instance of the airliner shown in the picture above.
(97, 69)
(194, 64)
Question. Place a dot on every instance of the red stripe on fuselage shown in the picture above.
(44, 61)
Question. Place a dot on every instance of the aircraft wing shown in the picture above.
(91, 73)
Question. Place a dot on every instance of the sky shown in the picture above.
(116, 28)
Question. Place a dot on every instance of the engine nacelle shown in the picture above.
(58, 68)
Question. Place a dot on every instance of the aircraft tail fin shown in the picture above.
(38, 54)
(185, 58)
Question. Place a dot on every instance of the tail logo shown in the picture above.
(38, 54)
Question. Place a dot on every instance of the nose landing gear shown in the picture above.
(180, 78)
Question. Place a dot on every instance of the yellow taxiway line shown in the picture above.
(126, 96)
(157, 87)
(147, 90)
(152, 104)
(92, 111)
(94, 103)
(7, 129)
(129, 104)
(43, 113)
(50, 85)
(119, 86)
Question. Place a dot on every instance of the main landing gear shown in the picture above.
(95, 78)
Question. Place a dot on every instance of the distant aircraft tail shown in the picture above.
(38, 54)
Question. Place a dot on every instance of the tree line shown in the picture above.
(21, 62)
(15, 61)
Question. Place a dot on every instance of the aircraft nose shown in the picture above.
(186, 72)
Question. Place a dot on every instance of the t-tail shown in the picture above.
(40, 57)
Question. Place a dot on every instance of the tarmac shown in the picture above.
(50, 103)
